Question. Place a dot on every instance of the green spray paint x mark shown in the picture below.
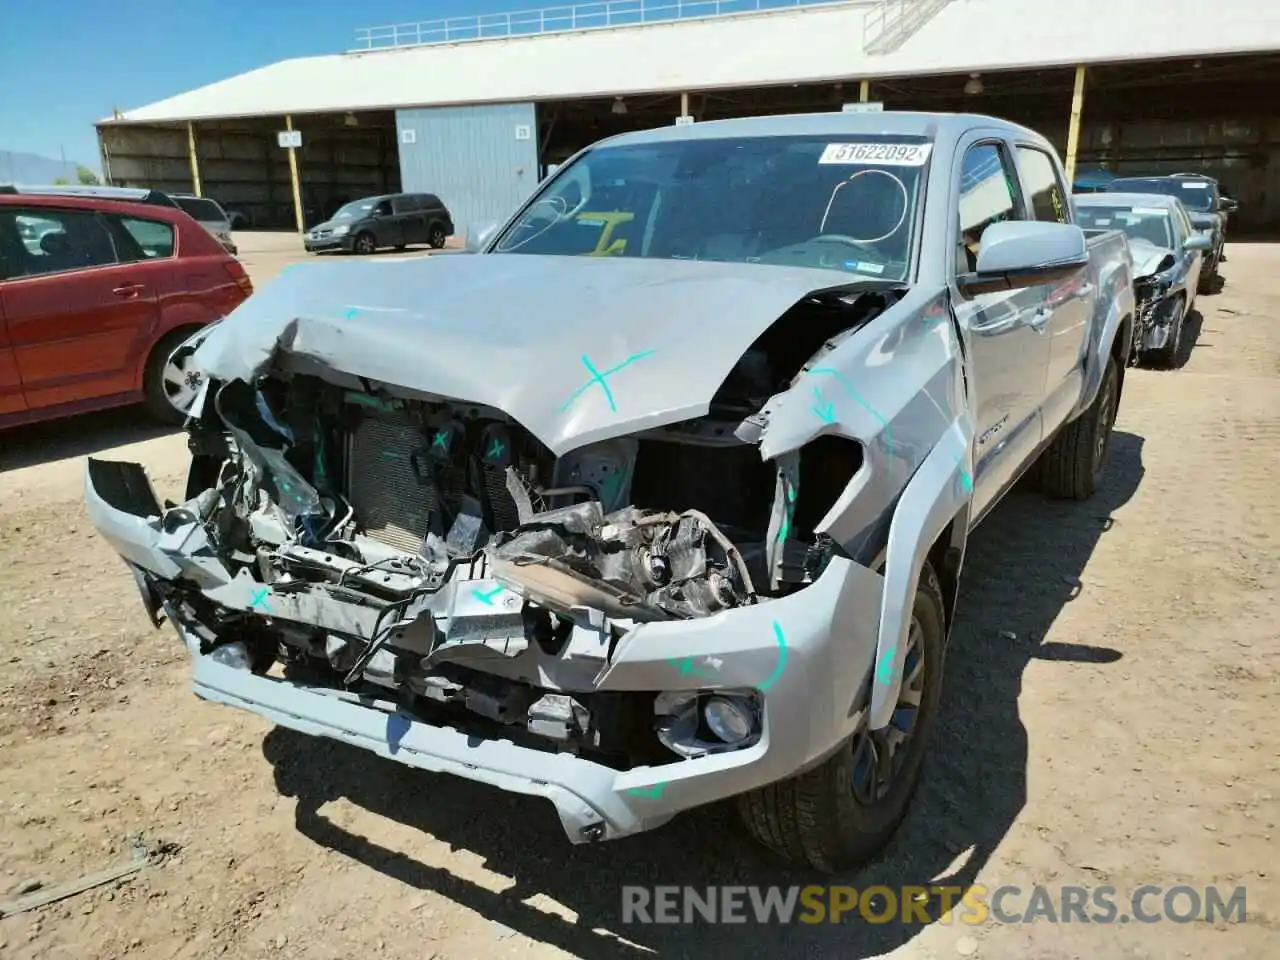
(601, 378)
(441, 439)
(259, 599)
(495, 449)
(486, 597)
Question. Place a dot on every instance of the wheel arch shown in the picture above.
(931, 520)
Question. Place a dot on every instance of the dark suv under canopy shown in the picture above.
(388, 220)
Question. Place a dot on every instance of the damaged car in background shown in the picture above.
(641, 525)
(1203, 204)
(1167, 256)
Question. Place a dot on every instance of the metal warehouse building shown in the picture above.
(476, 110)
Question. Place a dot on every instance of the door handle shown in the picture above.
(1040, 319)
(127, 290)
(1085, 291)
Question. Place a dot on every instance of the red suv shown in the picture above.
(96, 292)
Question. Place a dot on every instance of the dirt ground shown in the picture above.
(1110, 717)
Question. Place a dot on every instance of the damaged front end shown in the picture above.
(423, 577)
(1156, 311)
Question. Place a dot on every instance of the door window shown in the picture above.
(53, 241)
(987, 195)
(1048, 199)
(145, 239)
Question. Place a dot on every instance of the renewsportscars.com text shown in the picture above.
(935, 904)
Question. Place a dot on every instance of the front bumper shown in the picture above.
(326, 244)
(809, 654)
(1156, 319)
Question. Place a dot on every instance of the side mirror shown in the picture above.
(478, 236)
(1199, 241)
(1015, 254)
(1227, 205)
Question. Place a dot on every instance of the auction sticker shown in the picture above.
(877, 154)
(1191, 186)
(1150, 211)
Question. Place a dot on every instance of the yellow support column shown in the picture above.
(864, 91)
(195, 161)
(1073, 131)
(293, 176)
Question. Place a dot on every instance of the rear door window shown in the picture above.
(1048, 198)
(144, 239)
(56, 241)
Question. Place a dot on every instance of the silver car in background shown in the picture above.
(210, 215)
(1168, 253)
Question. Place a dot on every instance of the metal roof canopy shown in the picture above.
(733, 52)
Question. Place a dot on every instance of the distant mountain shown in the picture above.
(32, 168)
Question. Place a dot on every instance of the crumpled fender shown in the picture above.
(939, 490)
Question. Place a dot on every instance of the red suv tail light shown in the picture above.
(237, 273)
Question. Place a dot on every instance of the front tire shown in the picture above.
(436, 238)
(364, 244)
(1073, 465)
(840, 814)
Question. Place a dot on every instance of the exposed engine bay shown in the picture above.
(436, 554)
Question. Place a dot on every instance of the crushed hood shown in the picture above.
(577, 349)
(1147, 257)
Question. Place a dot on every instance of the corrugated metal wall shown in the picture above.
(482, 161)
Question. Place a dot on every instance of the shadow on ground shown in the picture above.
(78, 436)
(1024, 565)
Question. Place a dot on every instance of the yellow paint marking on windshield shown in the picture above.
(606, 246)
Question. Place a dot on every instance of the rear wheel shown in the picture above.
(364, 244)
(840, 814)
(1072, 467)
(171, 381)
(436, 237)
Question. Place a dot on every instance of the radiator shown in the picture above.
(390, 504)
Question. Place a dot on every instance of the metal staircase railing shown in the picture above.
(893, 22)
(568, 19)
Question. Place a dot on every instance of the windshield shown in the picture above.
(356, 210)
(1151, 224)
(1194, 194)
(839, 203)
(206, 211)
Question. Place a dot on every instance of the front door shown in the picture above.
(75, 314)
(1009, 354)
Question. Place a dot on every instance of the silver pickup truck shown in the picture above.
(660, 498)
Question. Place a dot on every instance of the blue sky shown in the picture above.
(64, 66)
